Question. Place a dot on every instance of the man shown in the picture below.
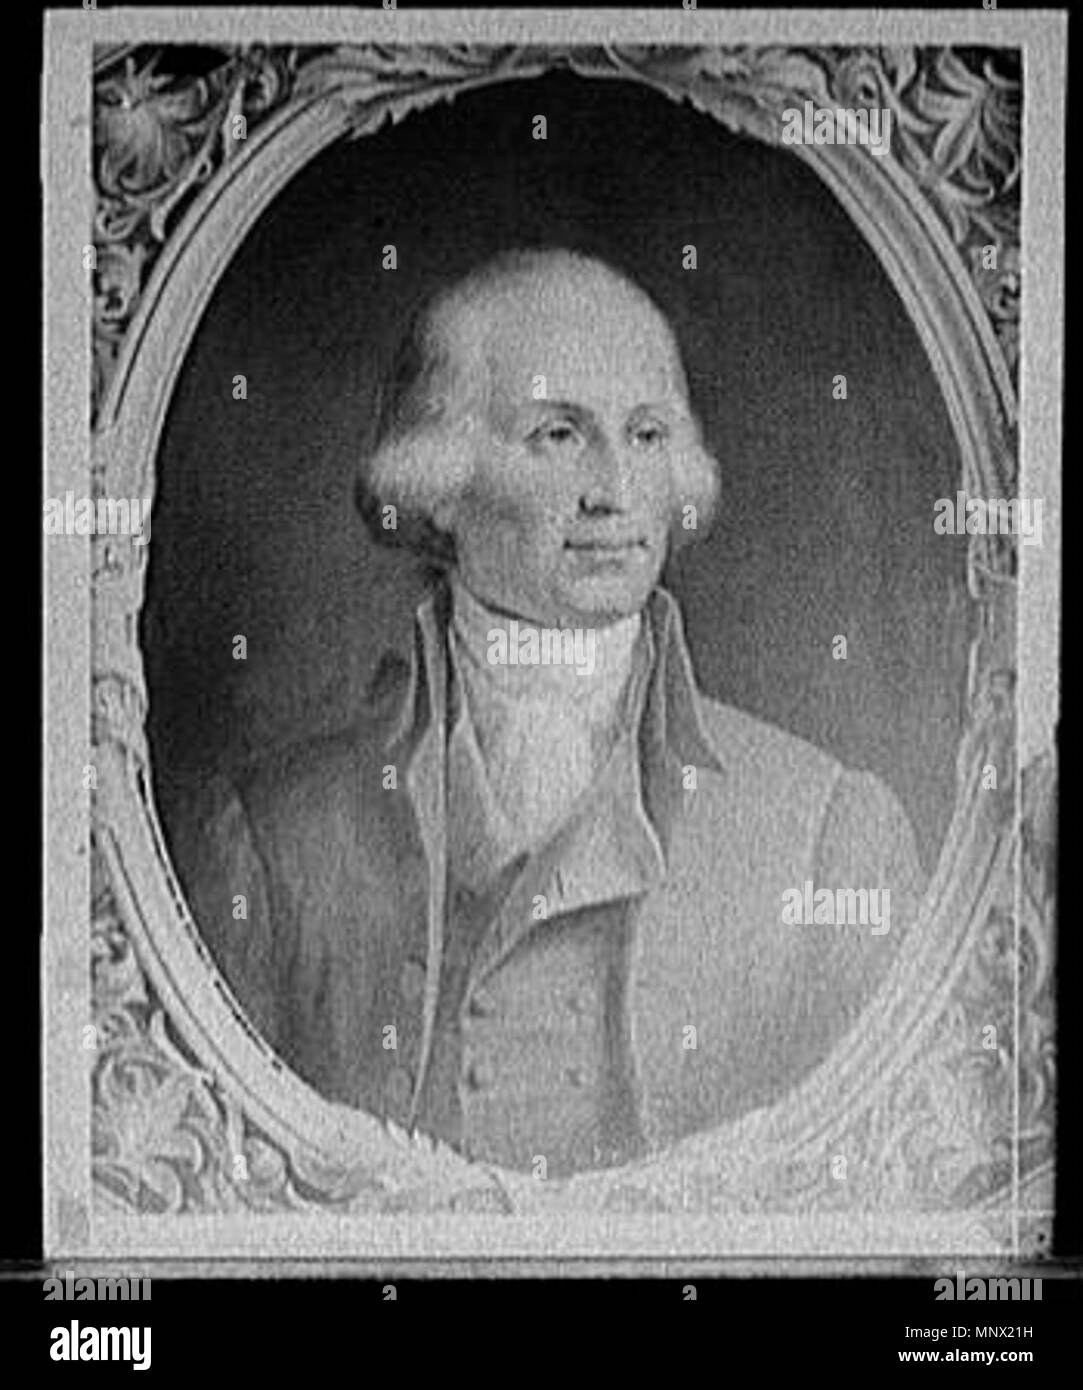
(537, 910)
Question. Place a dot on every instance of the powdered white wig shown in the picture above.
(433, 410)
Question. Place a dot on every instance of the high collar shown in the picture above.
(671, 725)
(593, 686)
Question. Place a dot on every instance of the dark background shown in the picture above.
(825, 525)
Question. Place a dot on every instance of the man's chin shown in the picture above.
(604, 599)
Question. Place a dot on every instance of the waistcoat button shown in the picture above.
(412, 981)
(480, 1006)
(480, 1076)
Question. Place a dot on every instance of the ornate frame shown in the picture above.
(191, 1114)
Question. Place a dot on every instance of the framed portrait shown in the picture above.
(552, 636)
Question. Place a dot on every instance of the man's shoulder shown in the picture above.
(311, 780)
(770, 777)
(744, 743)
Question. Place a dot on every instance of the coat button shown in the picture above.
(576, 1004)
(412, 981)
(574, 1076)
(399, 1089)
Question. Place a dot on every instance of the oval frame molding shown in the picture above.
(191, 1109)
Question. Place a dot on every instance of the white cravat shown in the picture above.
(533, 737)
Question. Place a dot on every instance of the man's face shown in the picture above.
(566, 519)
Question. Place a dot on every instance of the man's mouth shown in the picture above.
(606, 545)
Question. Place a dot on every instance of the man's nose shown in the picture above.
(606, 483)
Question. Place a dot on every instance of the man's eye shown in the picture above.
(649, 435)
(559, 432)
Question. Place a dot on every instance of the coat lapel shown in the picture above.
(420, 729)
